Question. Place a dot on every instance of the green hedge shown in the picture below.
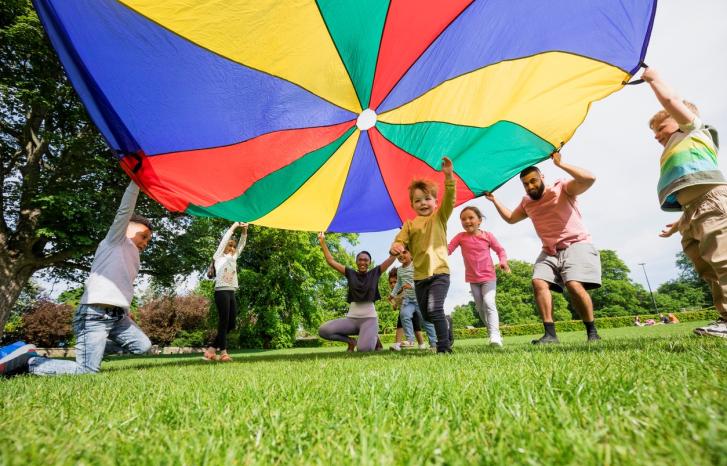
(535, 328)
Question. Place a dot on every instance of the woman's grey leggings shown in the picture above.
(367, 330)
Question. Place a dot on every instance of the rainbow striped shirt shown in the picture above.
(689, 158)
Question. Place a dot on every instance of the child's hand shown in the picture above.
(396, 249)
(242, 225)
(489, 196)
(650, 75)
(447, 167)
(407, 286)
(556, 158)
(505, 267)
(670, 229)
(321, 237)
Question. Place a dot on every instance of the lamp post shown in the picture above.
(653, 301)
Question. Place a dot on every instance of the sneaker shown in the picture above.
(496, 343)
(546, 340)
(715, 329)
(407, 344)
(423, 346)
(8, 350)
(593, 337)
(14, 358)
(395, 347)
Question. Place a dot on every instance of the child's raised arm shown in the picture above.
(243, 238)
(329, 257)
(223, 242)
(668, 98)
(117, 231)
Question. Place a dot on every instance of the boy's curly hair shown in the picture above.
(662, 115)
(426, 186)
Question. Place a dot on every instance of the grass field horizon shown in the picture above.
(652, 395)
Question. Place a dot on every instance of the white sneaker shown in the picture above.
(497, 343)
(423, 346)
(395, 347)
(715, 329)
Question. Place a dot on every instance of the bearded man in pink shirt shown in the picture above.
(568, 257)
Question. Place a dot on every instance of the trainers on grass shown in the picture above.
(592, 337)
(545, 340)
(14, 358)
(715, 329)
(395, 347)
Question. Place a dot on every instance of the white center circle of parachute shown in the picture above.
(366, 120)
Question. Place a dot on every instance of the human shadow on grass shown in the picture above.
(666, 344)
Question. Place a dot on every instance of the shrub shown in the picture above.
(13, 330)
(194, 338)
(165, 318)
(535, 328)
(48, 324)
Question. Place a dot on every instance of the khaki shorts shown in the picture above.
(579, 262)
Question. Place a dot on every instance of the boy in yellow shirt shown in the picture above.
(426, 238)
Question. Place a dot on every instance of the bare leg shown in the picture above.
(581, 300)
(543, 299)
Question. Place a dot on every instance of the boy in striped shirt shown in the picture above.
(691, 182)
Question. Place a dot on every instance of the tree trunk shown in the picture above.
(14, 274)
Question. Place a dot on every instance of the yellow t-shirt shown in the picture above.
(426, 237)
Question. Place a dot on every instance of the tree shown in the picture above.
(61, 184)
(618, 294)
(285, 283)
(465, 315)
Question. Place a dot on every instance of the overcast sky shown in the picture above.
(689, 48)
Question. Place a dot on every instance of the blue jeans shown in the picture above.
(408, 309)
(428, 327)
(93, 326)
(408, 313)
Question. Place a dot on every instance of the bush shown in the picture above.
(165, 318)
(535, 328)
(194, 338)
(48, 324)
(13, 330)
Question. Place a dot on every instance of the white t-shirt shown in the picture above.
(116, 262)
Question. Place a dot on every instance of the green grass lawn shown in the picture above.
(646, 396)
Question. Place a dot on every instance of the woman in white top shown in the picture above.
(363, 290)
(225, 274)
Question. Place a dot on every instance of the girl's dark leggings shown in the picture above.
(227, 313)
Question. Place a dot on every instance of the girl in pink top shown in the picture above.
(479, 269)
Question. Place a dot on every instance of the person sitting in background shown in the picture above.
(637, 321)
(673, 319)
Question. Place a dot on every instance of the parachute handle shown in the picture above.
(636, 81)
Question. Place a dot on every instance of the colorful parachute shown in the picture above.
(315, 115)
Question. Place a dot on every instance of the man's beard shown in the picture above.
(538, 194)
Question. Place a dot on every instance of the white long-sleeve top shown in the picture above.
(116, 262)
(226, 264)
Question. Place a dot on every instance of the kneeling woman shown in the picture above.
(363, 290)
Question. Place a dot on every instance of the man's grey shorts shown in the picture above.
(578, 262)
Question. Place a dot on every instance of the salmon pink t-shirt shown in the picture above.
(556, 218)
(478, 266)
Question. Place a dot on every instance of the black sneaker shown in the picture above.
(16, 361)
(546, 340)
(593, 337)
